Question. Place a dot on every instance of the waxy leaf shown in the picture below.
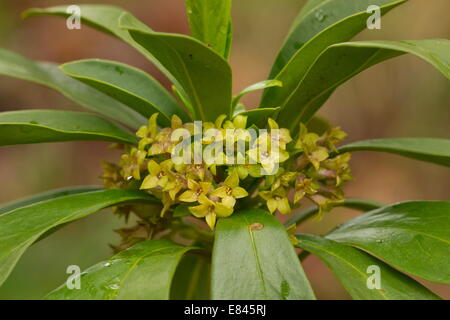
(425, 149)
(357, 271)
(203, 74)
(38, 126)
(253, 258)
(411, 236)
(103, 18)
(192, 279)
(129, 85)
(49, 75)
(320, 24)
(259, 116)
(20, 228)
(342, 61)
(142, 272)
(210, 22)
(357, 204)
(45, 196)
(256, 87)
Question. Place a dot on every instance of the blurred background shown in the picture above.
(401, 98)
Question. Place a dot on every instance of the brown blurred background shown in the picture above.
(400, 98)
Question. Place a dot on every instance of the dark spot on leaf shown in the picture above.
(191, 56)
(256, 226)
(119, 70)
(285, 289)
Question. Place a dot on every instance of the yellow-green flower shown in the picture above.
(196, 190)
(304, 186)
(308, 144)
(158, 174)
(332, 137)
(291, 233)
(325, 204)
(239, 122)
(210, 210)
(132, 163)
(282, 138)
(148, 133)
(276, 200)
(245, 170)
(230, 191)
(177, 182)
(339, 168)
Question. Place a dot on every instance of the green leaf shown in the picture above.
(38, 126)
(203, 74)
(318, 125)
(342, 61)
(49, 75)
(192, 279)
(411, 236)
(253, 258)
(22, 227)
(357, 204)
(354, 269)
(210, 22)
(45, 196)
(142, 272)
(103, 18)
(425, 149)
(256, 87)
(322, 23)
(259, 116)
(129, 85)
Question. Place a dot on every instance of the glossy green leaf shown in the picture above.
(256, 87)
(142, 272)
(357, 204)
(253, 258)
(259, 116)
(45, 196)
(318, 125)
(103, 18)
(342, 61)
(129, 85)
(22, 227)
(425, 149)
(203, 74)
(210, 22)
(49, 75)
(192, 279)
(38, 126)
(411, 236)
(355, 269)
(320, 24)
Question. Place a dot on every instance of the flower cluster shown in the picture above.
(265, 167)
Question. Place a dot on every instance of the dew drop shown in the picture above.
(114, 286)
(106, 264)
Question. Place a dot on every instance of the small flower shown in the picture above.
(332, 137)
(276, 200)
(291, 233)
(230, 191)
(308, 144)
(239, 122)
(245, 170)
(148, 133)
(158, 174)
(283, 136)
(325, 204)
(304, 186)
(196, 190)
(132, 164)
(112, 179)
(210, 210)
